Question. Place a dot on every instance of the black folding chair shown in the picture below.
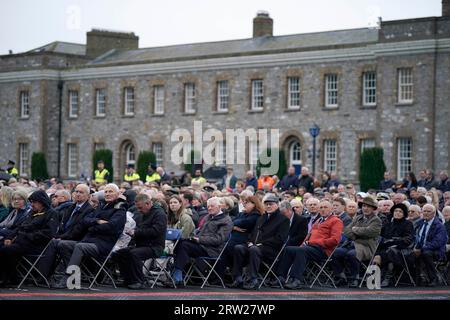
(322, 270)
(270, 268)
(164, 266)
(27, 265)
(211, 263)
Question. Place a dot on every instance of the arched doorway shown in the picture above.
(295, 156)
(127, 154)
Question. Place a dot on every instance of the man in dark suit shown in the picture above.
(70, 228)
(430, 245)
(270, 232)
(298, 224)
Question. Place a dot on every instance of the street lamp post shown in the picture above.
(314, 131)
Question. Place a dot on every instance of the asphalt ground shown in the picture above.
(212, 293)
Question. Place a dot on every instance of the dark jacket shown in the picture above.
(36, 230)
(444, 185)
(386, 184)
(289, 182)
(198, 213)
(345, 218)
(270, 233)
(398, 233)
(298, 230)
(61, 208)
(252, 182)
(151, 231)
(105, 236)
(307, 182)
(21, 216)
(76, 230)
(436, 237)
(447, 228)
(214, 233)
(245, 221)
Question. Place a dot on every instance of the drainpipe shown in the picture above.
(60, 92)
(433, 102)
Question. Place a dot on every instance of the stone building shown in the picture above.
(387, 86)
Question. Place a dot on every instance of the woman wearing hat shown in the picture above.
(398, 237)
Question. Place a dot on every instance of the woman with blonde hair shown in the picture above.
(5, 202)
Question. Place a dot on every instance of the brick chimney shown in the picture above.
(446, 8)
(262, 25)
(100, 41)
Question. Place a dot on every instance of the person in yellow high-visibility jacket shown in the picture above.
(12, 170)
(131, 175)
(198, 178)
(152, 175)
(101, 175)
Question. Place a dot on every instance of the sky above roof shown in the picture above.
(28, 24)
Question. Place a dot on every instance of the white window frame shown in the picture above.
(158, 99)
(369, 89)
(257, 95)
(293, 93)
(367, 143)
(157, 149)
(73, 103)
(100, 102)
(24, 160)
(331, 90)
(129, 99)
(405, 79)
(223, 95)
(295, 153)
(72, 160)
(130, 154)
(24, 97)
(330, 155)
(404, 157)
(189, 97)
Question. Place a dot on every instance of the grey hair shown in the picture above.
(214, 201)
(112, 186)
(285, 205)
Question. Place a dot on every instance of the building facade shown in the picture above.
(386, 86)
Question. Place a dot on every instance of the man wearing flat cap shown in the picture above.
(269, 234)
(360, 244)
(30, 237)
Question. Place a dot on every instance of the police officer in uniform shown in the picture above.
(101, 175)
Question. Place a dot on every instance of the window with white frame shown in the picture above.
(331, 90)
(73, 104)
(253, 154)
(100, 102)
(295, 153)
(257, 94)
(158, 151)
(24, 104)
(222, 96)
(129, 101)
(293, 92)
(158, 99)
(130, 155)
(23, 159)
(366, 144)
(189, 97)
(370, 88)
(329, 155)
(404, 157)
(405, 85)
(72, 160)
(99, 146)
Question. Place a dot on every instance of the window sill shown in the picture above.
(156, 115)
(404, 104)
(189, 113)
(221, 112)
(332, 108)
(99, 117)
(256, 111)
(292, 109)
(128, 116)
(368, 107)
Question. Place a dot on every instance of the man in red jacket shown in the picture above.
(318, 245)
